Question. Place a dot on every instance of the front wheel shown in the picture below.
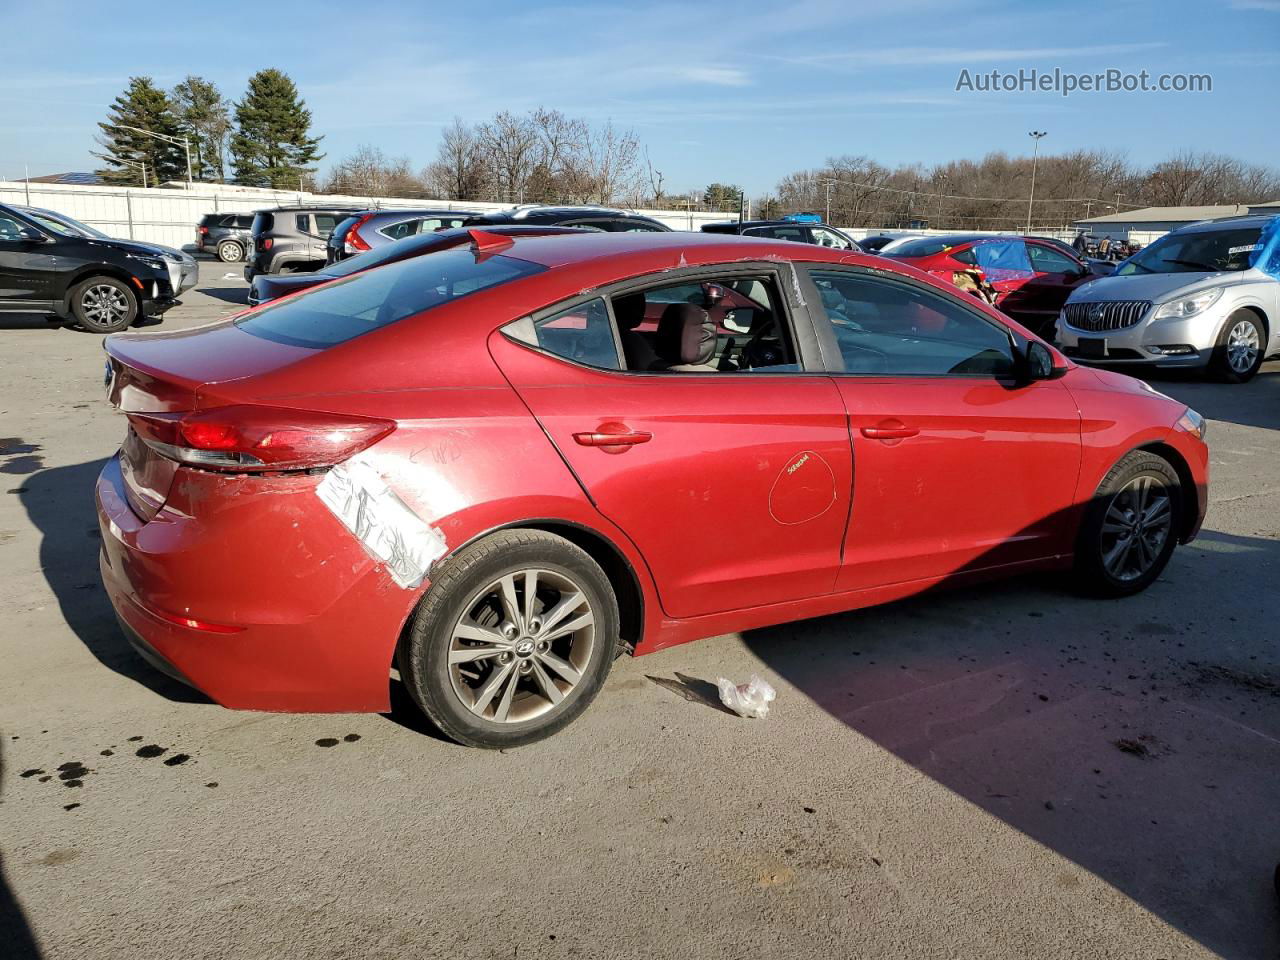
(104, 305)
(1241, 348)
(512, 641)
(1130, 527)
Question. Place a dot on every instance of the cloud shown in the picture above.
(714, 76)
(923, 56)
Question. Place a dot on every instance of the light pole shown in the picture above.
(132, 163)
(1036, 136)
(828, 184)
(180, 141)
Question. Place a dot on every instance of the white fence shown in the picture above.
(170, 216)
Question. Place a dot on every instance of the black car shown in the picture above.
(589, 218)
(52, 264)
(801, 231)
(264, 288)
(876, 243)
(292, 239)
(226, 235)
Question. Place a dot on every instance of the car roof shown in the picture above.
(1229, 223)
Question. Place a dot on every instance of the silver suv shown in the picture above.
(1206, 295)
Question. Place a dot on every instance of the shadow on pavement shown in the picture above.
(60, 503)
(239, 295)
(17, 942)
(1252, 404)
(1139, 738)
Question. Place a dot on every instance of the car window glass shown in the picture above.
(829, 238)
(581, 333)
(965, 256)
(303, 220)
(635, 226)
(599, 225)
(1047, 260)
(712, 325)
(1003, 259)
(9, 228)
(777, 233)
(398, 231)
(325, 222)
(1198, 251)
(895, 328)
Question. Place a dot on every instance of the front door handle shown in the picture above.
(890, 431)
(612, 435)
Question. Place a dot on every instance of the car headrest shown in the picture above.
(629, 310)
(686, 335)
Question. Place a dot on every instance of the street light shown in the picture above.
(132, 163)
(1035, 135)
(181, 141)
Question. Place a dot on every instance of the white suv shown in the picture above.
(1206, 295)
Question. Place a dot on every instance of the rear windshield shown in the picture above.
(925, 246)
(263, 222)
(341, 311)
(1199, 251)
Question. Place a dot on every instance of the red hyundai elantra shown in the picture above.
(496, 465)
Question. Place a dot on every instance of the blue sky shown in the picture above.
(743, 92)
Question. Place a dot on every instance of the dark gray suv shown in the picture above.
(292, 239)
(225, 235)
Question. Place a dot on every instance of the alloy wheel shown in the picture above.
(1243, 345)
(104, 304)
(1135, 528)
(521, 645)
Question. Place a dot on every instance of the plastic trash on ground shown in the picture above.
(750, 699)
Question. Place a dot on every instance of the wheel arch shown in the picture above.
(102, 270)
(1190, 494)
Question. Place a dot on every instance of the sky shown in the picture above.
(742, 92)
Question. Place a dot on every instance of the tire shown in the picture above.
(464, 618)
(1241, 348)
(229, 251)
(1117, 552)
(103, 305)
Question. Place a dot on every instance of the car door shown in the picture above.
(959, 466)
(733, 484)
(28, 267)
(1054, 276)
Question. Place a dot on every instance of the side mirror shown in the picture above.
(31, 235)
(1039, 363)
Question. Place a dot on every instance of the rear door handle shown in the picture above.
(889, 433)
(627, 438)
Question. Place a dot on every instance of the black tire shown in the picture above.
(1250, 326)
(230, 251)
(1144, 555)
(95, 316)
(469, 582)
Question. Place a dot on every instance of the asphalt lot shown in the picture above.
(938, 778)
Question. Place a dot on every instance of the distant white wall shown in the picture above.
(170, 216)
(860, 233)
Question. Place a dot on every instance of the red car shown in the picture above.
(496, 465)
(1032, 277)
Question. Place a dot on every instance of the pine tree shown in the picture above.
(204, 117)
(143, 106)
(272, 146)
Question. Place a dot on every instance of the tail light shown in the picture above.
(203, 231)
(354, 243)
(255, 439)
(265, 243)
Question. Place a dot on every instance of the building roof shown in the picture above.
(82, 178)
(1172, 214)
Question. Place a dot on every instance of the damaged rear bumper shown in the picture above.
(251, 591)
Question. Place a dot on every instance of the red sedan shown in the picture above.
(496, 465)
(1032, 277)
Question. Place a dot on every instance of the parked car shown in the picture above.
(1097, 266)
(266, 287)
(800, 231)
(490, 467)
(874, 244)
(1198, 297)
(1032, 278)
(50, 263)
(370, 229)
(606, 219)
(227, 236)
(292, 239)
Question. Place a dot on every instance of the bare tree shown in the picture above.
(510, 145)
(369, 172)
(459, 171)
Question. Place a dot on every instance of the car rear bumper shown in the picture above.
(260, 601)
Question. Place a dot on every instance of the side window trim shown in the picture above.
(826, 334)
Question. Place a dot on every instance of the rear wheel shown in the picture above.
(1241, 348)
(103, 305)
(229, 251)
(513, 640)
(1130, 527)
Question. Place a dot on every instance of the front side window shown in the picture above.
(778, 233)
(1047, 260)
(895, 328)
(1202, 251)
(10, 229)
(340, 311)
(824, 237)
(1003, 259)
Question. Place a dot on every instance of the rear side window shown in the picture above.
(796, 234)
(242, 222)
(582, 333)
(371, 299)
(325, 222)
(398, 231)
